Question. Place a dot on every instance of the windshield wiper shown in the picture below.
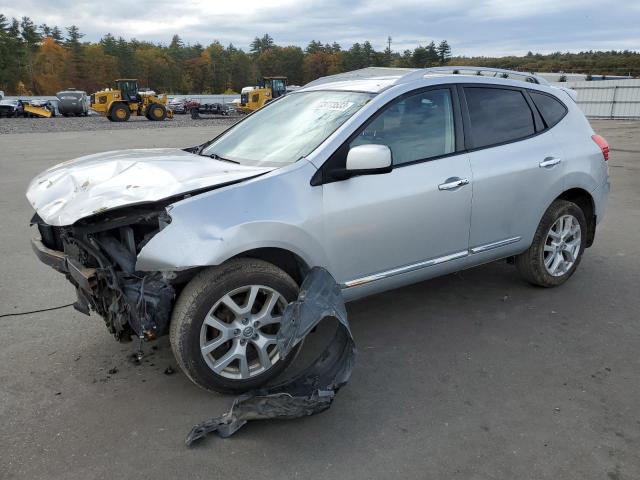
(215, 156)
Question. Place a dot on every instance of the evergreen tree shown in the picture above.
(56, 34)
(444, 52)
(30, 34)
(314, 47)
(76, 71)
(259, 45)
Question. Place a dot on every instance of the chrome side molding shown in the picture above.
(427, 263)
(405, 269)
(492, 245)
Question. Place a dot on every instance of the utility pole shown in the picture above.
(388, 52)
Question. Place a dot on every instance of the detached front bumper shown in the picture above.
(55, 259)
(85, 278)
(131, 303)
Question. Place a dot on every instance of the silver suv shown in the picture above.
(384, 177)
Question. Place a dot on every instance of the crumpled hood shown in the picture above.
(88, 185)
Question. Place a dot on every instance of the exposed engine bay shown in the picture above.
(99, 258)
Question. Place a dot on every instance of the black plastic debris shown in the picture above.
(312, 390)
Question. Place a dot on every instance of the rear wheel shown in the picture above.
(225, 322)
(156, 112)
(119, 113)
(557, 247)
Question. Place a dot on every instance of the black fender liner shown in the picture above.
(310, 391)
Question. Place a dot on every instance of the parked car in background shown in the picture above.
(11, 108)
(178, 105)
(384, 177)
(73, 102)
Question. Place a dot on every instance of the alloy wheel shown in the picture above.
(562, 245)
(238, 336)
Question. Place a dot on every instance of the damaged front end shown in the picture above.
(98, 256)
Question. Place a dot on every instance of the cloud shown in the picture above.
(480, 27)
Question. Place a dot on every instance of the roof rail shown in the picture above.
(465, 70)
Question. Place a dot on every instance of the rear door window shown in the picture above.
(551, 109)
(498, 115)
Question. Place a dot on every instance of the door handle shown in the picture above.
(549, 162)
(452, 183)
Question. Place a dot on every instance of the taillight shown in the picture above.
(602, 143)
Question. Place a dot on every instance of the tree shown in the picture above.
(314, 47)
(31, 38)
(8, 58)
(103, 68)
(56, 34)
(30, 34)
(45, 30)
(444, 52)
(259, 45)
(76, 68)
(49, 67)
(199, 73)
(242, 71)
(292, 64)
(320, 64)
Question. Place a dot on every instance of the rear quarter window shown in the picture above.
(498, 115)
(551, 109)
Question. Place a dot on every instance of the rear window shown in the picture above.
(551, 109)
(498, 115)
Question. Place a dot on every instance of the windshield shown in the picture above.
(288, 129)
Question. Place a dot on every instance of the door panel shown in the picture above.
(511, 190)
(517, 169)
(377, 223)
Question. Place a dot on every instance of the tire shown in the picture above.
(156, 112)
(119, 113)
(202, 297)
(560, 237)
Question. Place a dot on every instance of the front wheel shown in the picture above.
(557, 247)
(156, 112)
(225, 322)
(119, 113)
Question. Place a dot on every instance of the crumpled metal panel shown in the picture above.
(92, 184)
(310, 391)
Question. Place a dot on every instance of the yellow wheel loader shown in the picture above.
(269, 88)
(126, 98)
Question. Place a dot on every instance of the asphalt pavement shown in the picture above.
(475, 375)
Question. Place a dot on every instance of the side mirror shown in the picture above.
(365, 160)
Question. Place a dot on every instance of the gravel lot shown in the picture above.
(97, 122)
(475, 375)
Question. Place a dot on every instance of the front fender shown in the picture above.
(280, 210)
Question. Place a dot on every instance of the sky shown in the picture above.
(472, 28)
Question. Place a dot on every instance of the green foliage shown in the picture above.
(40, 59)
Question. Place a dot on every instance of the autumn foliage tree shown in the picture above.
(50, 66)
